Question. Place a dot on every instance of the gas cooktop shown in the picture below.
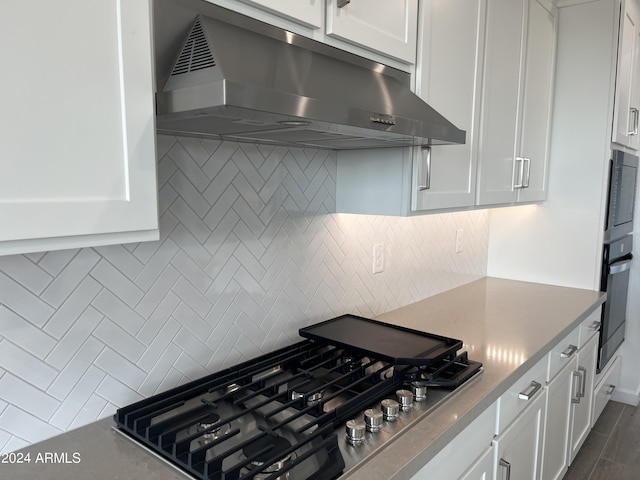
(312, 410)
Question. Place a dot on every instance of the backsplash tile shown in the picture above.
(249, 252)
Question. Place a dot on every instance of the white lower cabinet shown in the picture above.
(466, 456)
(537, 426)
(582, 396)
(555, 460)
(518, 449)
(605, 387)
(482, 469)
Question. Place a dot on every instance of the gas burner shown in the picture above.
(206, 425)
(351, 363)
(309, 388)
(263, 450)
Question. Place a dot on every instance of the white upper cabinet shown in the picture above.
(385, 26)
(500, 100)
(77, 132)
(449, 69)
(627, 98)
(448, 74)
(517, 101)
(537, 100)
(308, 12)
(382, 30)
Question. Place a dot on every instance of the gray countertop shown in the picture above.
(506, 325)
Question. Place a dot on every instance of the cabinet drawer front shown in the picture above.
(514, 401)
(589, 327)
(563, 353)
(461, 452)
(605, 388)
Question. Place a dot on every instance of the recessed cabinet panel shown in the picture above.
(77, 132)
(467, 455)
(556, 434)
(627, 99)
(385, 26)
(606, 386)
(517, 101)
(448, 78)
(518, 451)
(501, 90)
(581, 409)
(537, 101)
(482, 469)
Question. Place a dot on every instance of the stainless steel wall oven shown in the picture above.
(623, 170)
(617, 252)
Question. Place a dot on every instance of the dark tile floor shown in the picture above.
(612, 449)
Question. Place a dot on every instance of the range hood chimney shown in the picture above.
(240, 79)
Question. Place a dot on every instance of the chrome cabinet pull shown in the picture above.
(612, 388)
(583, 381)
(343, 3)
(424, 169)
(526, 165)
(569, 351)
(635, 115)
(518, 173)
(530, 391)
(575, 392)
(595, 325)
(503, 463)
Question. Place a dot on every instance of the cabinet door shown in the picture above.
(627, 99)
(556, 435)
(604, 389)
(386, 26)
(448, 78)
(500, 99)
(77, 132)
(537, 99)
(519, 449)
(308, 12)
(482, 469)
(581, 408)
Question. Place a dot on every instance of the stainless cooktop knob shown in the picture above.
(419, 390)
(405, 399)
(373, 420)
(390, 409)
(355, 431)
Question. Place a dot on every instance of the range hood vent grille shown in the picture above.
(195, 54)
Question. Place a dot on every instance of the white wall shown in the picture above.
(249, 252)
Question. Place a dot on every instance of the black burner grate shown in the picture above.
(287, 403)
(275, 416)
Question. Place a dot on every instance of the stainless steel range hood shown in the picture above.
(240, 79)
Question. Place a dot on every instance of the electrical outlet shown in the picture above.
(459, 235)
(378, 258)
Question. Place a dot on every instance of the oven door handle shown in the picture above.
(619, 267)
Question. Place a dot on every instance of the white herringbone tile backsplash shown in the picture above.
(249, 252)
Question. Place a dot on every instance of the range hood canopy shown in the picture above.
(240, 79)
